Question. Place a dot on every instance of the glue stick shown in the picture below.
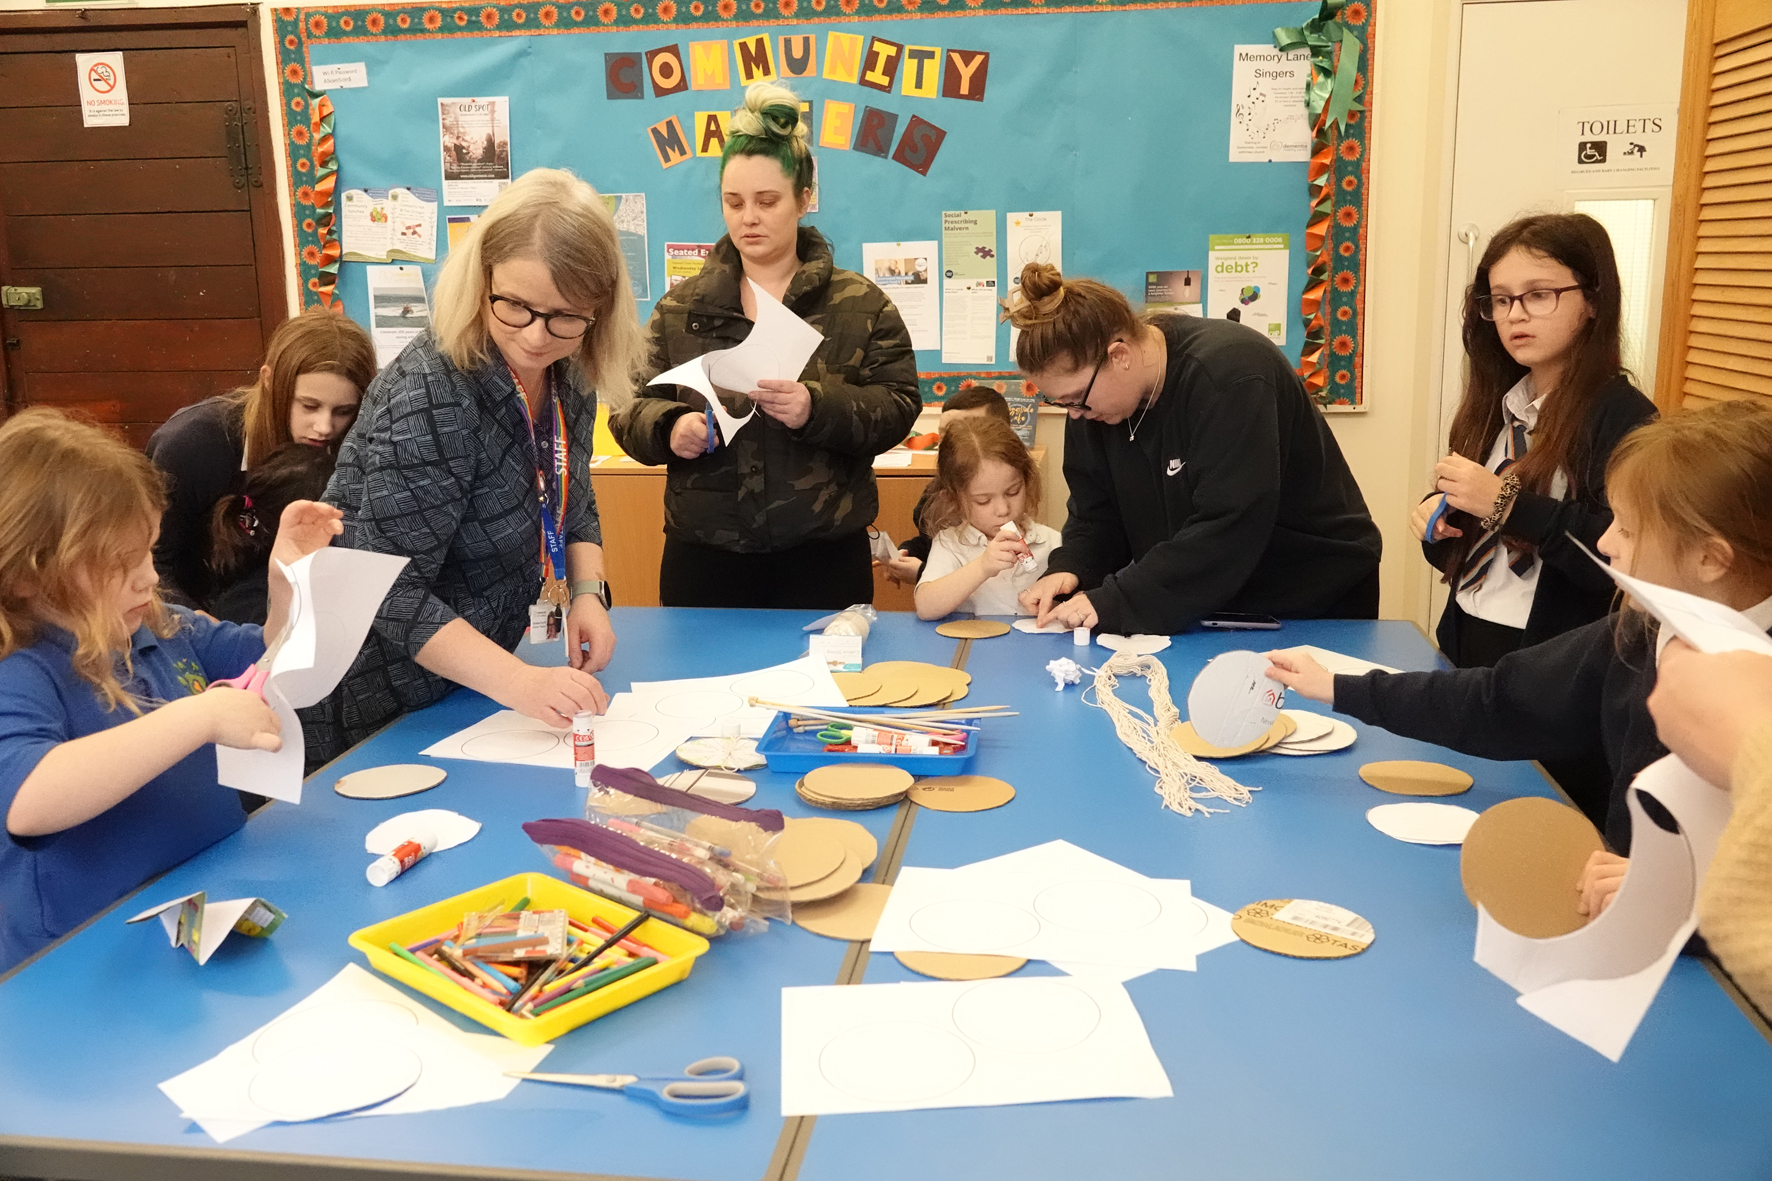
(1024, 563)
(584, 746)
(409, 853)
(1080, 637)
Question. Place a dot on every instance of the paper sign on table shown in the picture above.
(779, 346)
(199, 926)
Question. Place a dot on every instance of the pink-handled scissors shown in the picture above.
(254, 678)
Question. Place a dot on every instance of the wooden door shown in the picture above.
(1716, 337)
(157, 246)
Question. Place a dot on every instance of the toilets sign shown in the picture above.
(1627, 146)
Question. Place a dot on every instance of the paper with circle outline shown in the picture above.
(806, 681)
(1114, 1059)
(625, 738)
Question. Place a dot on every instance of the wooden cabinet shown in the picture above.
(630, 500)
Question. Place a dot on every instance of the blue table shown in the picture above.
(1405, 1061)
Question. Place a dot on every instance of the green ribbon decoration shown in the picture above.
(1332, 83)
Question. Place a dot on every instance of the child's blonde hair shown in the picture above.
(81, 507)
(965, 447)
(1701, 475)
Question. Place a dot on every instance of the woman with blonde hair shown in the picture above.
(777, 515)
(471, 458)
(316, 369)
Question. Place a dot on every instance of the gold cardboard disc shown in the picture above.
(894, 688)
(858, 781)
(944, 965)
(805, 855)
(961, 793)
(972, 629)
(829, 886)
(1333, 933)
(856, 685)
(1408, 777)
(851, 915)
(1183, 735)
(845, 805)
(1521, 861)
(854, 837)
(391, 782)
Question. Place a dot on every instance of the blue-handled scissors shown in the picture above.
(712, 1086)
(1427, 534)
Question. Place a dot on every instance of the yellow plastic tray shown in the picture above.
(545, 893)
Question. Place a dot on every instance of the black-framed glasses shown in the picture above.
(514, 313)
(1542, 302)
(1082, 403)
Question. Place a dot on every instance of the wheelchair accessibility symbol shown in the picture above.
(1590, 151)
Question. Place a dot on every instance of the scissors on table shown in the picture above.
(836, 732)
(712, 1086)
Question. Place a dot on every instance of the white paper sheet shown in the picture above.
(1031, 237)
(1423, 824)
(1341, 664)
(904, 1047)
(1138, 645)
(627, 736)
(779, 346)
(905, 271)
(412, 223)
(1706, 625)
(351, 1008)
(706, 704)
(448, 828)
(1596, 984)
(334, 594)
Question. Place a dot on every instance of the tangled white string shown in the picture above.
(1182, 780)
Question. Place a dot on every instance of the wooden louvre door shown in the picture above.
(1716, 338)
(157, 246)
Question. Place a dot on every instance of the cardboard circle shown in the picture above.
(858, 781)
(1183, 735)
(805, 855)
(894, 688)
(846, 875)
(1256, 925)
(947, 965)
(961, 793)
(854, 837)
(1422, 824)
(1340, 738)
(856, 685)
(1309, 726)
(851, 915)
(724, 754)
(390, 782)
(972, 629)
(1521, 860)
(1233, 701)
(840, 805)
(1410, 777)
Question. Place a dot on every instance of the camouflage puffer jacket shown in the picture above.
(772, 488)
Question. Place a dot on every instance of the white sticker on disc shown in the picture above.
(1327, 918)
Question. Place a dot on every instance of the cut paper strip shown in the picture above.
(1596, 983)
(449, 828)
(1139, 645)
(1521, 862)
(942, 965)
(1422, 824)
(1034, 629)
(902, 1047)
(972, 629)
(1410, 777)
(390, 782)
(1233, 702)
(1184, 736)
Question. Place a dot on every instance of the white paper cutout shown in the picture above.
(1233, 701)
(1138, 645)
(449, 829)
(1423, 824)
(215, 921)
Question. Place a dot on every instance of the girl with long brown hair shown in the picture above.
(1546, 400)
(1691, 501)
(316, 368)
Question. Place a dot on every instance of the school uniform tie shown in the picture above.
(1520, 561)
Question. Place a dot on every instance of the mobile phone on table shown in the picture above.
(1237, 621)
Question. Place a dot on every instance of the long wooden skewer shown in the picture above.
(910, 728)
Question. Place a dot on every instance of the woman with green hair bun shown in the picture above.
(777, 515)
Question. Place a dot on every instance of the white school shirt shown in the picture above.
(957, 545)
(1505, 597)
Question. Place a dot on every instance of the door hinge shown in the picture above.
(235, 131)
(249, 133)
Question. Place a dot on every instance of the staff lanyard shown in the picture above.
(553, 544)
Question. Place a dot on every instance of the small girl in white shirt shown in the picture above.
(985, 481)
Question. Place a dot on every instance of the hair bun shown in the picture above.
(1037, 301)
(770, 111)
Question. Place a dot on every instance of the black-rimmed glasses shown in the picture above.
(1542, 302)
(514, 313)
(1082, 403)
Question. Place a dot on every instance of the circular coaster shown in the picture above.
(1422, 824)
(846, 875)
(727, 754)
(722, 786)
(972, 629)
(805, 855)
(854, 686)
(918, 670)
(1302, 929)
(1183, 736)
(894, 688)
(1521, 861)
(1340, 737)
(858, 781)
(851, 915)
(387, 783)
(961, 793)
(1407, 777)
(1310, 727)
(854, 837)
(944, 965)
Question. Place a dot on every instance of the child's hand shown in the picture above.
(1302, 674)
(1002, 553)
(1599, 882)
(1424, 510)
(306, 526)
(1471, 487)
(239, 719)
(903, 569)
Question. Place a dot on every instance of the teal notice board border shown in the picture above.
(1116, 114)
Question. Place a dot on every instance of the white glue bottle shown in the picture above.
(407, 854)
(584, 746)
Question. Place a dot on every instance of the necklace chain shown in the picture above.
(1151, 399)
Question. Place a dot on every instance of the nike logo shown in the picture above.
(1175, 466)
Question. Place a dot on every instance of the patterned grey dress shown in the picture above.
(439, 469)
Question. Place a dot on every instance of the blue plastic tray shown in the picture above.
(789, 751)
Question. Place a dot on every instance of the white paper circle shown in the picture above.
(341, 1021)
(1233, 702)
(1339, 738)
(1423, 824)
(615, 735)
(1027, 1016)
(334, 1078)
(448, 828)
(1311, 726)
(975, 926)
(775, 683)
(1097, 904)
(1139, 645)
(1027, 625)
(695, 704)
(896, 1062)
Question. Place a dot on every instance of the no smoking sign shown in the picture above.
(104, 89)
